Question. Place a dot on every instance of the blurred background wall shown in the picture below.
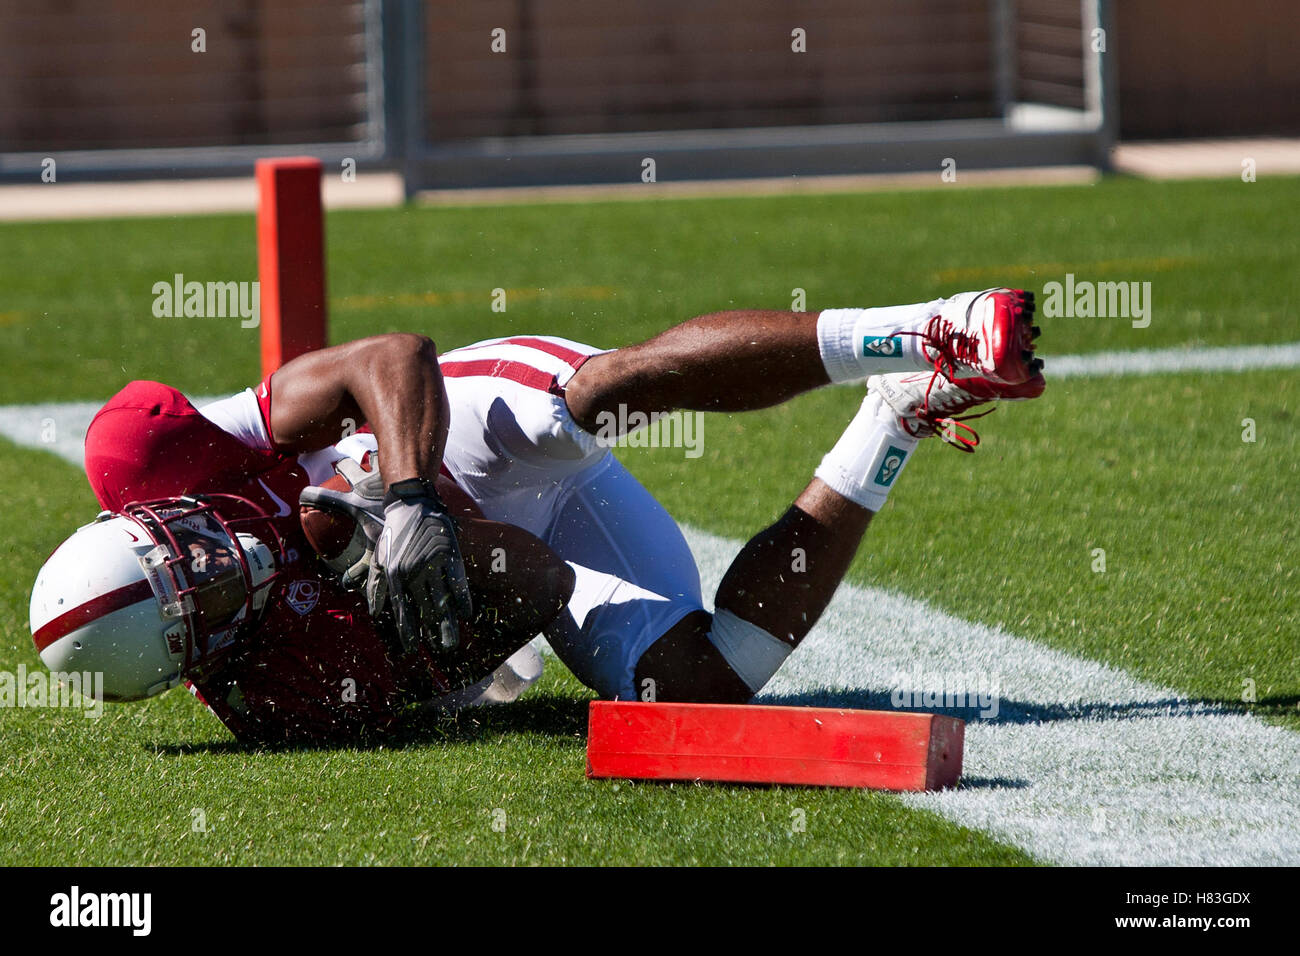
(680, 64)
(1208, 67)
(113, 75)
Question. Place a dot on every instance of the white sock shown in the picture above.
(857, 343)
(864, 464)
(753, 653)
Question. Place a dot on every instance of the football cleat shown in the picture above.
(928, 403)
(987, 334)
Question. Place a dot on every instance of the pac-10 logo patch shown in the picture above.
(882, 346)
(889, 467)
(303, 595)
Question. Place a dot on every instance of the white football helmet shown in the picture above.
(159, 592)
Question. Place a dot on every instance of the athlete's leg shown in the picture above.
(519, 586)
(783, 579)
(785, 576)
(779, 584)
(726, 361)
(634, 577)
(623, 624)
(741, 360)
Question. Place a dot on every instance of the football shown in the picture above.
(331, 532)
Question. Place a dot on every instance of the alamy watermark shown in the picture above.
(133, 911)
(1083, 299)
(966, 690)
(208, 300)
(658, 430)
(82, 690)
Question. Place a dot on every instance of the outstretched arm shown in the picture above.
(390, 381)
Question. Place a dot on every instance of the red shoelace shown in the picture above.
(951, 429)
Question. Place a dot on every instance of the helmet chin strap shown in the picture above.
(161, 686)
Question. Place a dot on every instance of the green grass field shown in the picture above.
(1200, 592)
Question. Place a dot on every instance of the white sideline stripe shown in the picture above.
(1084, 765)
(1077, 745)
(29, 425)
(1231, 358)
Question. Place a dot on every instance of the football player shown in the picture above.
(199, 569)
(513, 424)
(526, 412)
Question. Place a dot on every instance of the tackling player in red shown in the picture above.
(198, 569)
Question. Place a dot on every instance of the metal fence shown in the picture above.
(114, 88)
(512, 92)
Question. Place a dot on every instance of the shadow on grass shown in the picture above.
(1029, 712)
(545, 714)
(565, 717)
(991, 783)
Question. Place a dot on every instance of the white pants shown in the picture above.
(516, 450)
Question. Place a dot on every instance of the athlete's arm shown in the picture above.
(391, 382)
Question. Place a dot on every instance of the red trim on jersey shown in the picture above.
(101, 606)
(263, 394)
(498, 368)
(572, 358)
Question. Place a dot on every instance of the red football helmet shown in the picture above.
(160, 591)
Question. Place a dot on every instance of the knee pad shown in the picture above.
(752, 653)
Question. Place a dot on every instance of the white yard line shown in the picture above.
(1083, 763)
(1230, 358)
(59, 427)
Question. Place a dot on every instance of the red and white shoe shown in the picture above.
(928, 403)
(987, 334)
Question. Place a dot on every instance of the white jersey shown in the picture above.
(514, 447)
